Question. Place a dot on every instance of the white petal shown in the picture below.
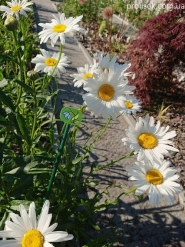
(25, 217)
(9, 243)
(56, 236)
(43, 215)
(46, 244)
(32, 215)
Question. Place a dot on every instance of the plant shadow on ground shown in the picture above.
(137, 222)
(156, 226)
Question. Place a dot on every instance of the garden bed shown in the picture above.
(174, 116)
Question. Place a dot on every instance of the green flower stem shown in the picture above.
(35, 114)
(127, 192)
(115, 161)
(58, 137)
(98, 168)
(20, 66)
(60, 54)
(102, 132)
(57, 160)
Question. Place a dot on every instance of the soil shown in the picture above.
(113, 41)
(175, 114)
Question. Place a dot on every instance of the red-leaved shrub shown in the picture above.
(159, 48)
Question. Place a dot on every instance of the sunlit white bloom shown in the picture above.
(157, 179)
(148, 140)
(83, 73)
(46, 62)
(105, 63)
(58, 28)
(131, 105)
(16, 7)
(105, 93)
(26, 231)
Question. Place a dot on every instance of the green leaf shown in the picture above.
(5, 57)
(39, 170)
(46, 97)
(92, 184)
(3, 219)
(25, 181)
(77, 160)
(26, 87)
(7, 100)
(13, 171)
(30, 165)
(16, 203)
(4, 122)
(140, 197)
(22, 126)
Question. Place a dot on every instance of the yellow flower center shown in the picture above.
(59, 28)
(33, 238)
(50, 61)
(87, 75)
(106, 92)
(16, 8)
(128, 104)
(147, 140)
(154, 177)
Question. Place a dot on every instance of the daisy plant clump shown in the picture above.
(27, 231)
(150, 141)
(17, 7)
(58, 28)
(158, 179)
(46, 63)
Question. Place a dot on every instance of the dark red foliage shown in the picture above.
(158, 49)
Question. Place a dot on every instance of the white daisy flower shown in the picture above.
(105, 63)
(131, 105)
(46, 62)
(58, 28)
(83, 73)
(16, 7)
(105, 93)
(158, 179)
(26, 231)
(148, 140)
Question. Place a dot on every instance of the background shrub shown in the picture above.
(157, 51)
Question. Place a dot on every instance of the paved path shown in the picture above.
(139, 224)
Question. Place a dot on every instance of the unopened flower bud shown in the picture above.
(33, 75)
(11, 23)
(107, 13)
